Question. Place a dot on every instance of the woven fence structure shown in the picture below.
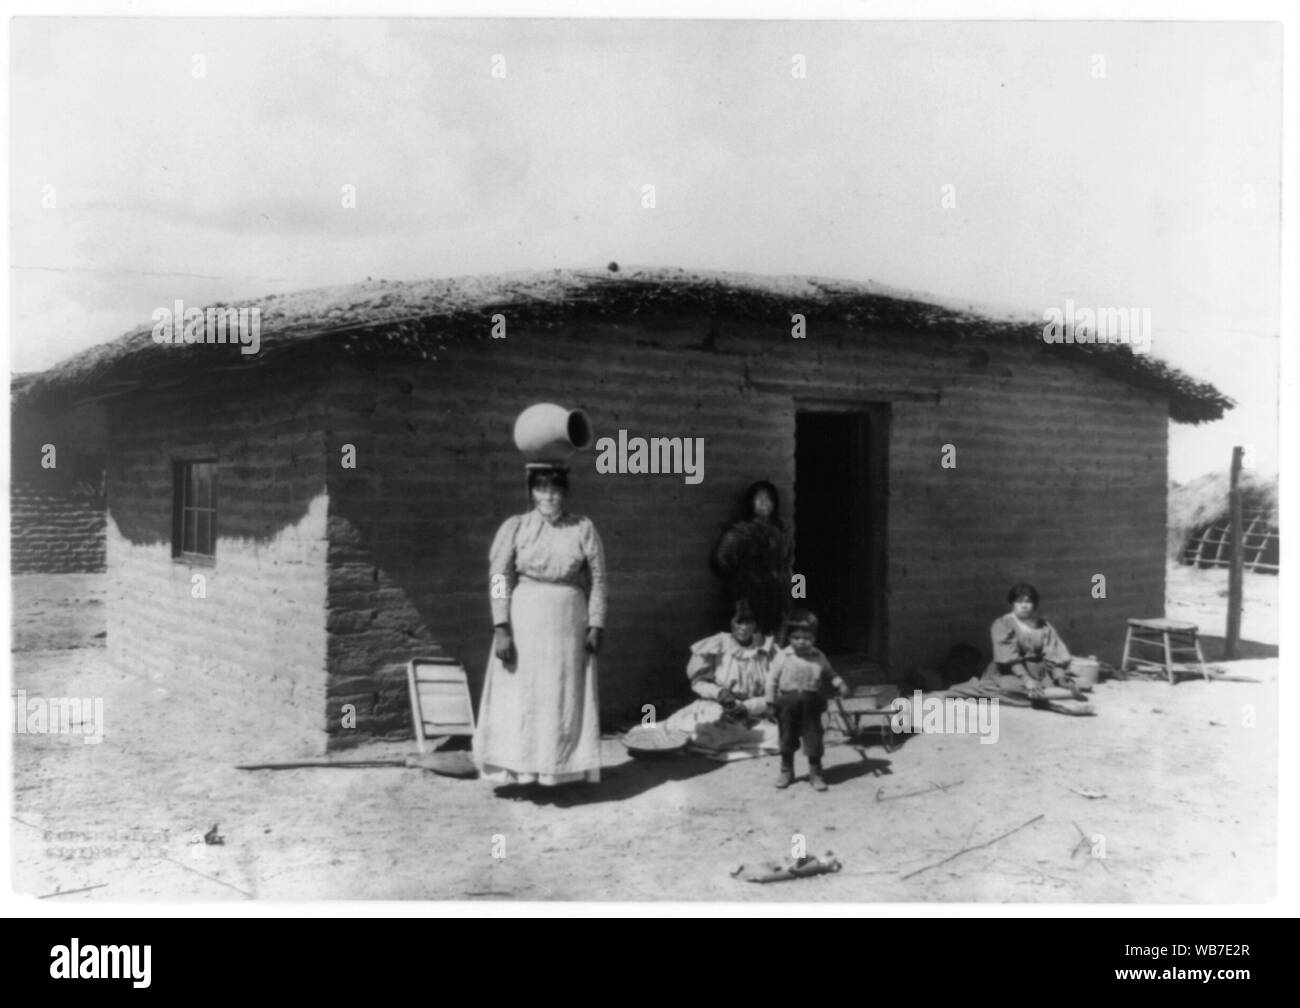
(1211, 545)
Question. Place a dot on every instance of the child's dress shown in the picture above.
(721, 662)
(1034, 642)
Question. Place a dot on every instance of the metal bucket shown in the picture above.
(1086, 671)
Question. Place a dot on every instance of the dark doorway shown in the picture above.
(839, 513)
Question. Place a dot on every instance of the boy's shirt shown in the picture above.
(791, 672)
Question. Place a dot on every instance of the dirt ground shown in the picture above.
(1184, 779)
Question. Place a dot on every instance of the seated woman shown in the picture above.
(1028, 654)
(728, 672)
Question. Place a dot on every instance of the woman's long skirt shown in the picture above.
(539, 718)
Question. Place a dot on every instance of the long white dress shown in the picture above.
(539, 718)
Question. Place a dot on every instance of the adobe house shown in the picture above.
(287, 528)
(56, 487)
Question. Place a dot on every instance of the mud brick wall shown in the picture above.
(74, 432)
(1060, 475)
(251, 654)
(54, 533)
(56, 526)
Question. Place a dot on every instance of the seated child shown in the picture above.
(796, 689)
(728, 672)
(1027, 651)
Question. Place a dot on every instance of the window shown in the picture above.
(194, 511)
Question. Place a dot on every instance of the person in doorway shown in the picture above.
(755, 557)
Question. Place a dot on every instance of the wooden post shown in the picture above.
(1232, 637)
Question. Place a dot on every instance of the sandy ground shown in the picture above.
(1201, 597)
(1187, 775)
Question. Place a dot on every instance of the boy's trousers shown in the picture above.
(799, 718)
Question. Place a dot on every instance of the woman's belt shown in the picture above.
(567, 584)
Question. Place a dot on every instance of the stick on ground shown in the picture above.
(210, 878)
(69, 892)
(913, 794)
(1084, 842)
(299, 764)
(967, 850)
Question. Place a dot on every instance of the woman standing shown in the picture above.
(539, 718)
(756, 556)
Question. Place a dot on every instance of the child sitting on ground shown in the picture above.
(728, 673)
(1028, 653)
(796, 691)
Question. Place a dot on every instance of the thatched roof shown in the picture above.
(20, 382)
(413, 320)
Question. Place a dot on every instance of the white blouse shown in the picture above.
(566, 551)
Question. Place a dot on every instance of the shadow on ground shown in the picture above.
(617, 783)
(637, 776)
(1212, 647)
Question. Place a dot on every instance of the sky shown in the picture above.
(199, 159)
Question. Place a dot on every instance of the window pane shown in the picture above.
(178, 508)
(202, 484)
(205, 533)
(197, 518)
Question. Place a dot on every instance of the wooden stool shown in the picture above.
(1172, 637)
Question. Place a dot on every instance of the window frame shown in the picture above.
(182, 506)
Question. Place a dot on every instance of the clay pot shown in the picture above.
(548, 433)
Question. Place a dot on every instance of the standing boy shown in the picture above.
(796, 689)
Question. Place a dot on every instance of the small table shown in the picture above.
(1172, 637)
